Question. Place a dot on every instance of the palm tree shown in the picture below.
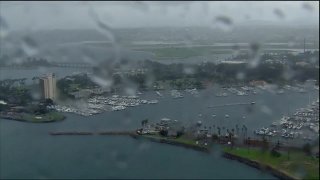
(34, 79)
(228, 132)
(237, 128)
(22, 81)
(244, 131)
(232, 135)
(144, 122)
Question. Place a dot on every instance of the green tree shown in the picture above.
(307, 148)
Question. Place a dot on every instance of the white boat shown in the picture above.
(241, 93)
(213, 115)
(274, 124)
(118, 108)
(301, 90)
(284, 119)
(280, 91)
(227, 116)
(176, 94)
(153, 101)
(221, 94)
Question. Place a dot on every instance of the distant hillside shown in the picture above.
(77, 45)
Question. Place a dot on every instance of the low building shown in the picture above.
(258, 83)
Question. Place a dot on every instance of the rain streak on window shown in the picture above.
(157, 90)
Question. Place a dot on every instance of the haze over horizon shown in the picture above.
(90, 15)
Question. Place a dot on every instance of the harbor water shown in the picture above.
(28, 151)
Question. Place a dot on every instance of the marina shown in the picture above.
(99, 104)
(303, 124)
(185, 110)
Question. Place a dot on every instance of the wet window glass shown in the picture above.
(159, 90)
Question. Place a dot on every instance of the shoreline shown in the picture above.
(252, 163)
(275, 172)
(173, 142)
(137, 136)
(28, 120)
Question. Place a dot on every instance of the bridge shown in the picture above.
(62, 65)
(73, 65)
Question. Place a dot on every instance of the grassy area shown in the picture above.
(74, 87)
(297, 164)
(48, 117)
(185, 140)
(165, 51)
(184, 52)
(182, 140)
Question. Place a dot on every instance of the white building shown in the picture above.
(48, 86)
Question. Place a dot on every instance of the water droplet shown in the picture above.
(288, 74)
(35, 95)
(307, 6)
(254, 55)
(150, 80)
(29, 46)
(188, 70)
(142, 6)
(120, 160)
(121, 165)
(314, 60)
(105, 29)
(130, 91)
(3, 28)
(265, 109)
(143, 146)
(240, 75)
(205, 8)
(105, 83)
(291, 43)
(223, 22)
(247, 17)
(278, 13)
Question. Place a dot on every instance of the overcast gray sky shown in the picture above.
(67, 15)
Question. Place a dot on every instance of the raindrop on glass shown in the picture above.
(278, 13)
(307, 6)
(29, 46)
(3, 28)
(223, 22)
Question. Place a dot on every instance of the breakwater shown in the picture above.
(231, 104)
(70, 133)
(174, 142)
(91, 133)
(136, 136)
